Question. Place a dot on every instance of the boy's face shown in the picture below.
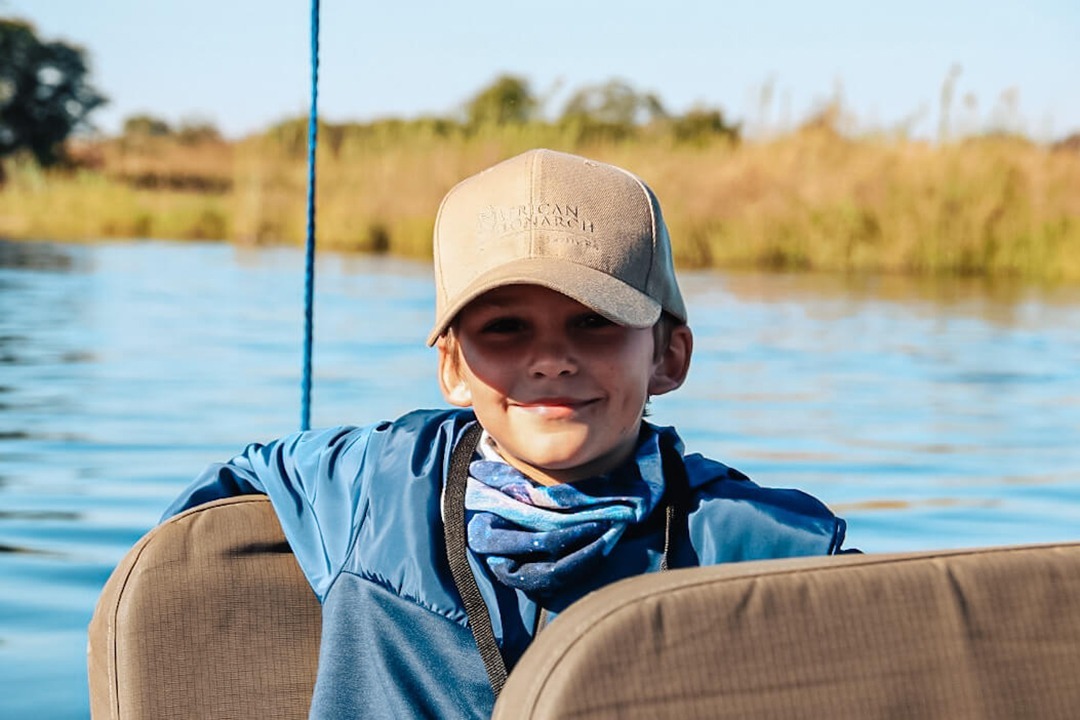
(560, 388)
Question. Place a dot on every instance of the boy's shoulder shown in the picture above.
(375, 450)
(422, 427)
(702, 471)
(419, 433)
(422, 422)
(712, 478)
(748, 521)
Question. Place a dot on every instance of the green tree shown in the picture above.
(144, 125)
(700, 125)
(44, 93)
(614, 103)
(507, 101)
(193, 131)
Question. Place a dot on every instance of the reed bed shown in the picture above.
(809, 200)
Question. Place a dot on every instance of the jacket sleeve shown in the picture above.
(313, 480)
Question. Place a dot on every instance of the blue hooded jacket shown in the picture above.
(361, 509)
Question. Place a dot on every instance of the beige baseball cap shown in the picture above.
(586, 229)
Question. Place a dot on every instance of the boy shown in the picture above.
(441, 542)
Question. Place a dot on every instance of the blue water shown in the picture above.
(928, 413)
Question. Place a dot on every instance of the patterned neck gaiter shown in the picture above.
(540, 539)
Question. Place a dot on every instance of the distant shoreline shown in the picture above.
(810, 200)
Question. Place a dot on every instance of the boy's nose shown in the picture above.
(552, 358)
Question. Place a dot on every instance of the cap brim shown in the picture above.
(594, 289)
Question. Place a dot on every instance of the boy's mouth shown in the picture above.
(556, 406)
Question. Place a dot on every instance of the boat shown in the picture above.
(209, 616)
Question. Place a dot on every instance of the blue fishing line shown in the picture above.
(309, 273)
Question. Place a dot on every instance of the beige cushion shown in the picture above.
(208, 616)
(987, 633)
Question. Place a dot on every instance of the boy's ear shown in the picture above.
(673, 365)
(451, 383)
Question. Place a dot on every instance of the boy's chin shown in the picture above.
(563, 451)
(561, 467)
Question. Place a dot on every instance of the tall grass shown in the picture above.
(87, 205)
(815, 200)
(812, 199)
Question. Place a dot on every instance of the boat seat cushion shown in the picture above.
(208, 616)
(981, 633)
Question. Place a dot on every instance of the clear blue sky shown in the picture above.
(243, 64)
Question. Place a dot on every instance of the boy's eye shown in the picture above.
(502, 325)
(594, 320)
